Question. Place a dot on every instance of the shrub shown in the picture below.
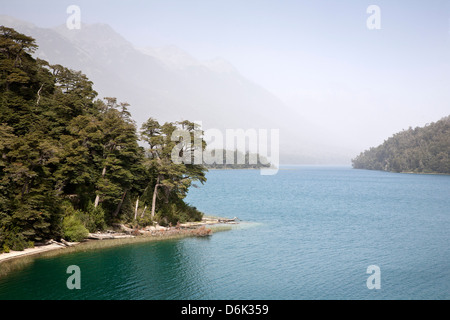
(95, 219)
(18, 245)
(178, 212)
(15, 240)
(73, 229)
(146, 220)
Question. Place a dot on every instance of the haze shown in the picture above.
(346, 87)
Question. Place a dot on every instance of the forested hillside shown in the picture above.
(71, 163)
(419, 150)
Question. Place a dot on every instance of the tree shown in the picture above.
(70, 162)
(425, 149)
(173, 178)
(120, 158)
(29, 154)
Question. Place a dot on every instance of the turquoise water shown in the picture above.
(306, 233)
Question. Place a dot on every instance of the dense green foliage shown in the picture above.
(419, 150)
(73, 228)
(71, 163)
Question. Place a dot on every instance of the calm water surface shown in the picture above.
(306, 233)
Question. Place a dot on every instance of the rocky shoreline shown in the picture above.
(124, 232)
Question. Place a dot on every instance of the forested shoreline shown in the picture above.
(71, 163)
(419, 150)
(241, 160)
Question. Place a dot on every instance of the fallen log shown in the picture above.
(106, 236)
(66, 243)
(102, 236)
(51, 241)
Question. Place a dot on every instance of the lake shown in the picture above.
(305, 233)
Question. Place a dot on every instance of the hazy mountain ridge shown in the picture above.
(167, 83)
(97, 50)
(178, 59)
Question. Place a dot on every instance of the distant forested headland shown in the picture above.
(71, 163)
(420, 150)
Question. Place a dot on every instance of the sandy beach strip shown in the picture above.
(30, 251)
(166, 233)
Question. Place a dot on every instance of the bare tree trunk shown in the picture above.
(155, 193)
(119, 206)
(39, 95)
(136, 209)
(154, 199)
(143, 212)
(97, 197)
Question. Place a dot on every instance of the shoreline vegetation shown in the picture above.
(122, 235)
(72, 164)
(423, 150)
(218, 160)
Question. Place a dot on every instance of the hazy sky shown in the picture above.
(318, 56)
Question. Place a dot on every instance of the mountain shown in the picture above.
(420, 150)
(168, 83)
(177, 59)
